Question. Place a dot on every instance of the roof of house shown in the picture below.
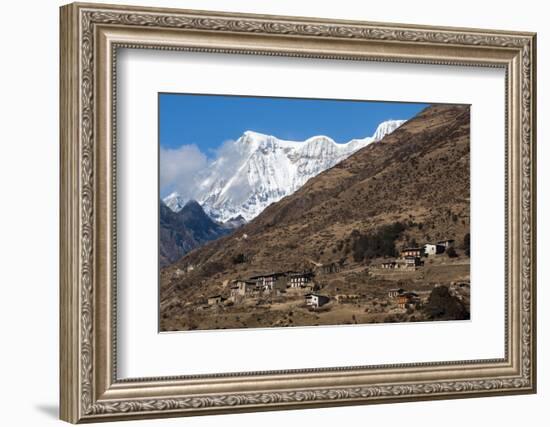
(274, 274)
(247, 281)
(315, 295)
(302, 274)
(409, 294)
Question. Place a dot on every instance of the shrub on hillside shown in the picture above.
(375, 244)
(441, 305)
(239, 258)
(451, 252)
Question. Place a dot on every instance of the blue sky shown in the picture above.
(209, 120)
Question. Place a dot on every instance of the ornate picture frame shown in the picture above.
(90, 37)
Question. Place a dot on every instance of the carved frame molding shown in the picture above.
(90, 36)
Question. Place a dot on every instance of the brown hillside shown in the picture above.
(419, 176)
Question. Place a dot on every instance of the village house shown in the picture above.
(393, 293)
(316, 300)
(348, 298)
(388, 265)
(328, 268)
(405, 263)
(215, 300)
(407, 300)
(234, 294)
(242, 287)
(301, 280)
(409, 262)
(433, 249)
(269, 282)
(413, 252)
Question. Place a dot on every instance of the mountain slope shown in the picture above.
(182, 231)
(257, 170)
(417, 176)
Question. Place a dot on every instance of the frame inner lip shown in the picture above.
(117, 44)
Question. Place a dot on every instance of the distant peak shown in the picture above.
(255, 135)
(174, 201)
(252, 133)
(318, 138)
(386, 128)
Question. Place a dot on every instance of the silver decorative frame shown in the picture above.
(90, 36)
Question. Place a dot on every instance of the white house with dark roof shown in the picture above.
(316, 300)
(433, 249)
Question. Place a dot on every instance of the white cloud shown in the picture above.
(179, 168)
(227, 154)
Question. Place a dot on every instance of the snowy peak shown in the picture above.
(252, 136)
(257, 170)
(385, 128)
(174, 201)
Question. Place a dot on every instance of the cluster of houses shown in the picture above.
(407, 299)
(411, 258)
(273, 283)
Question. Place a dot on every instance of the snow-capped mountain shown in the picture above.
(174, 201)
(257, 170)
(385, 128)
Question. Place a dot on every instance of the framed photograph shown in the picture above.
(266, 213)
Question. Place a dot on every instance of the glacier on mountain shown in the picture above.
(257, 170)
